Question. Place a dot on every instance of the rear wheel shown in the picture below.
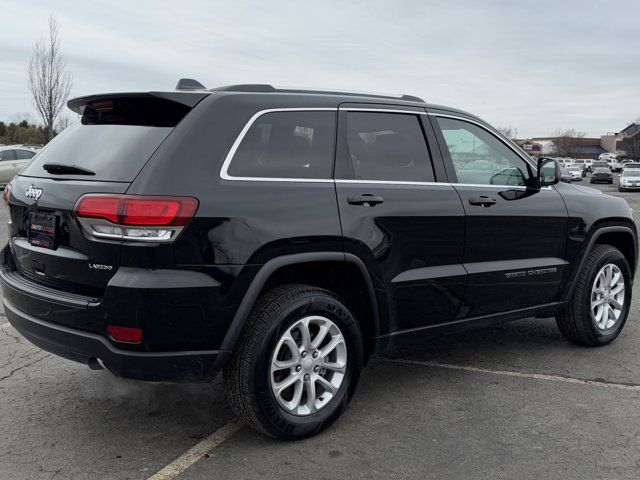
(297, 364)
(599, 306)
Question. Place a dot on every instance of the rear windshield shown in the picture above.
(113, 140)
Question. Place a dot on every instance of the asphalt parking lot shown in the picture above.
(512, 401)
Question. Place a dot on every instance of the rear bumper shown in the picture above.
(87, 347)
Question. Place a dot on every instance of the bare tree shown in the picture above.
(49, 80)
(566, 142)
(63, 122)
(509, 132)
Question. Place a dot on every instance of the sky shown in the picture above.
(537, 66)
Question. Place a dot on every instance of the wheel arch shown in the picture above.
(622, 237)
(304, 268)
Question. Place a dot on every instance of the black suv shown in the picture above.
(285, 236)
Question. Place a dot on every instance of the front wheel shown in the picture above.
(297, 363)
(599, 305)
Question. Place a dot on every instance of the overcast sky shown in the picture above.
(534, 65)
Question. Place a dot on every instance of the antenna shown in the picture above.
(189, 84)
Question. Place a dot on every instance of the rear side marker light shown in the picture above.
(134, 217)
(125, 334)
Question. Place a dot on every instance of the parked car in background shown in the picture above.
(579, 162)
(600, 164)
(589, 163)
(629, 179)
(602, 175)
(631, 166)
(12, 159)
(565, 176)
(576, 173)
(614, 165)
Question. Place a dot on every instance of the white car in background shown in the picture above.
(12, 159)
(576, 173)
(614, 164)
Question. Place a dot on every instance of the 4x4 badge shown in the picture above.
(33, 192)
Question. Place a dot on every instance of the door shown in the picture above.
(408, 228)
(516, 235)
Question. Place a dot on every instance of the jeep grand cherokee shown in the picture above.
(285, 236)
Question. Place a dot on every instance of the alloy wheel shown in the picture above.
(308, 365)
(607, 296)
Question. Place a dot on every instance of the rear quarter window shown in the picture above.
(287, 145)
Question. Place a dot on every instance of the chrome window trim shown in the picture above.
(224, 174)
(383, 110)
(391, 182)
(433, 184)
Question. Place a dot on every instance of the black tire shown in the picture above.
(575, 322)
(247, 375)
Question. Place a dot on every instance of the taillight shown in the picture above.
(134, 217)
(6, 194)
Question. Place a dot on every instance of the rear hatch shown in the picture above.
(101, 153)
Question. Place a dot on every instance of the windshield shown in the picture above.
(575, 169)
(635, 172)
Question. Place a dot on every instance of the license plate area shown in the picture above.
(42, 230)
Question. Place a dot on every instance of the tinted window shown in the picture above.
(24, 154)
(7, 155)
(387, 146)
(481, 158)
(287, 145)
(114, 138)
(113, 152)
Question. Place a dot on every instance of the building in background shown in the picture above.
(584, 147)
(614, 142)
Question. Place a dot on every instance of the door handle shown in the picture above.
(482, 201)
(367, 200)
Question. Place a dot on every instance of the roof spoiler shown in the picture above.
(189, 99)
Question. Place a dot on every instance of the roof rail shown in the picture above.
(270, 88)
(189, 84)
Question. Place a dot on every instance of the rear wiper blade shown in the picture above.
(61, 169)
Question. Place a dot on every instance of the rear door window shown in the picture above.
(24, 154)
(7, 155)
(289, 144)
(387, 146)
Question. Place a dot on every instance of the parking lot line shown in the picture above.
(512, 373)
(198, 451)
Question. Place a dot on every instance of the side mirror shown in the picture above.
(548, 172)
